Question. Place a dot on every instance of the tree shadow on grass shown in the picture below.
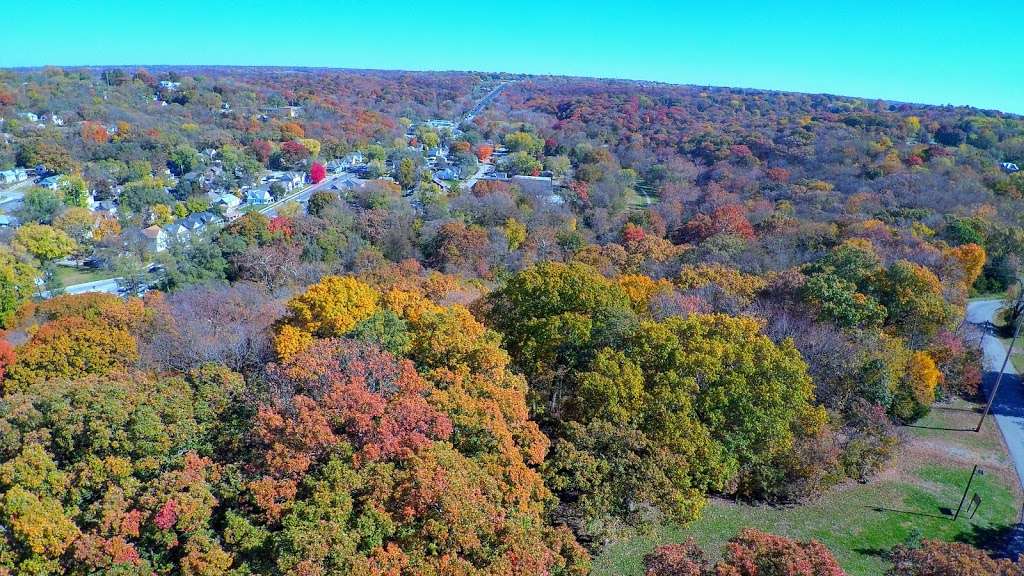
(876, 552)
(946, 428)
(885, 510)
(999, 541)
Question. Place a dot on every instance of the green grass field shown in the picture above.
(69, 276)
(860, 522)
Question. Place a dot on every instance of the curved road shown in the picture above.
(1008, 407)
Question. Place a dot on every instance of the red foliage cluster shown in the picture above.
(751, 553)
(94, 133)
(728, 219)
(934, 558)
(777, 174)
(282, 225)
(484, 151)
(487, 187)
(317, 173)
(6, 357)
(632, 233)
(262, 150)
(351, 391)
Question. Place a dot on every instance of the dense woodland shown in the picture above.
(729, 293)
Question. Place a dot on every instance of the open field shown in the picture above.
(69, 276)
(860, 522)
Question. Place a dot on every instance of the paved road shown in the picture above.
(468, 184)
(109, 285)
(1008, 407)
(484, 102)
(302, 196)
(15, 192)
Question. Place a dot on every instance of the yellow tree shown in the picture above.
(333, 306)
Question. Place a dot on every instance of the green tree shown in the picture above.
(524, 142)
(40, 205)
(17, 284)
(838, 300)
(520, 163)
(183, 159)
(75, 190)
(407, 174)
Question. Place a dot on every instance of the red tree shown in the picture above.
(754, 552)
(751, 553)
(262, 149)
(6, 358)
(317, 173)
(934, 558)
(632, 233)
(484, 151)
(684, 559)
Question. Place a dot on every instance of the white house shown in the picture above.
(1010, 167)
(259, 195)
(13, 176)
(51, 182)
(156, 238)
(228, 200)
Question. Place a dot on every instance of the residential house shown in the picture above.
(346, 183)
(51, 182)
(283, 111)
(449, 173)
(290, 180)
(13, 176)
(440, 125)
(169, 85)
(259, 195)
(349, 161)
(156, 238)
(31, 117)
(539, 185)
(192, 225)
(228, 201)
(8, 221)
(1010, 167)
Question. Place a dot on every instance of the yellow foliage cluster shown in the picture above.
(641, 289)
(730, 280)
(333, 306)
(969, 259)
(923, 377)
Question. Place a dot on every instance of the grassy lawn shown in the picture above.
(69, 276)
(860, 522)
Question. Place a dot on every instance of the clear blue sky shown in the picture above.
(937, 52)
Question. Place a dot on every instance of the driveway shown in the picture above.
(1008, 406)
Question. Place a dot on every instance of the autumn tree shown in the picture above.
(317, 173)
(43, 242)
(753, 552)
(17, 284)
(332, 306)
(912, 295)
(750, 553)
(935, 558)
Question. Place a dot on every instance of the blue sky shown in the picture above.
(937, 52)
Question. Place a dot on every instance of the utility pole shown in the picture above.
(1002, 370)
(966, 489)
